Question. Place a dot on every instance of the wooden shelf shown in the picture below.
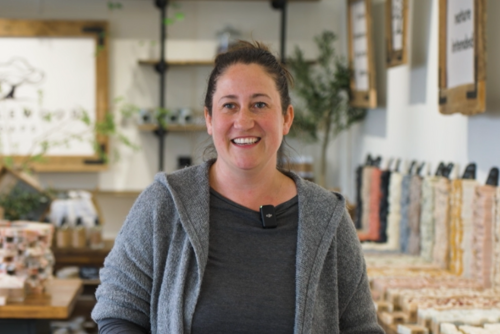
(81, 256)
(177, 62)
(174, 127)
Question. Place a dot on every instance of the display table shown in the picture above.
(33, 314)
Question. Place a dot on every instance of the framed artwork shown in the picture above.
(396, 32)
(360, 44)
(462, 56)
(53, 74)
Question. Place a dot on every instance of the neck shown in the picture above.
(252, 188)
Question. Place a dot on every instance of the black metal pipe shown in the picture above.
(281, 5)
(161, 68)
(283, 32)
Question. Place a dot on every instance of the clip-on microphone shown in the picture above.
(267, 216)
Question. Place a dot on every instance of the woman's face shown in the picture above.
(247, 123)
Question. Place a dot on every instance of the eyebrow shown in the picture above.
(253, 96)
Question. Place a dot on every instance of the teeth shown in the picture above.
(245, 140)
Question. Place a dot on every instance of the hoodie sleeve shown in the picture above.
(127, 276)
(357, 312)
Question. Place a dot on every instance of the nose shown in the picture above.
(244, 119)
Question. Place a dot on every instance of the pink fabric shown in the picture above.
(375, 194)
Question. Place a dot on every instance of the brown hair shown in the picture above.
(250, 53)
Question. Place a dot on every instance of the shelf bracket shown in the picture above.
(281, 5)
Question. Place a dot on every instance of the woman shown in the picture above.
(195, 255)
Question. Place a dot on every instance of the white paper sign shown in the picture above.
(360, 45)
(397, 25)
(40, 77)
(460, 43)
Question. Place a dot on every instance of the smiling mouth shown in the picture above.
(245, 141)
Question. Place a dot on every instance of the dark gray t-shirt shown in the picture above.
(249, 281)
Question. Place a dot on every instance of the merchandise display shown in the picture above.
(25, 254)
(443, 274)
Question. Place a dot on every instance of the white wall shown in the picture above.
(407, 124)
(131, 30)
(410, 125)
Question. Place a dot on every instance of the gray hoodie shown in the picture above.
(153, 274)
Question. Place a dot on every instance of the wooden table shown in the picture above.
(32, 315)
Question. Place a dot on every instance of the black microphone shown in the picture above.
(268, 216)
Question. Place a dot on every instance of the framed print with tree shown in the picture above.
(53, 92)
(396, 32)
(462, 56)
(360, 44)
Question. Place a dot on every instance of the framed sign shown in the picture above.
(359, 23)
(396, 31)
(53, 74)
(462, 56)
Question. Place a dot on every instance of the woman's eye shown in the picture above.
(228, 106)
(260, 105)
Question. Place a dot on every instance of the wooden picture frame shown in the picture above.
(396, 32)
(463, 91)
(55, 31)
(361, 57)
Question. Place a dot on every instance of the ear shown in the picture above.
(208, 120)
(288, 120)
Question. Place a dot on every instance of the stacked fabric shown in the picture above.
(482, 235)
(468, 194)
(427, 218)
(441, 219)
(414, 215)
(25, 252)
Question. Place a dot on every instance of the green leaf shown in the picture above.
(168, 21)
(84, 117)
(179, 16)
(8, 161)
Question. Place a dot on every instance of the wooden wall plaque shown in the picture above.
(361, 58)
(396, 32)
(462, 56)
(55, 68)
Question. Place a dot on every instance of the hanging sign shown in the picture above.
(53, 74)
(462, 65)
(396, 28)
(363, 92)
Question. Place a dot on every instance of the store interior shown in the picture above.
(405, 130)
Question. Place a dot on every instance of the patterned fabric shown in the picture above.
(427, 218)
(468, 194)
(404, 226)
(441, 222)
(456, 228)
(496, 236)
(482, 235)
(394, 217)
(374, 208)
(365, 198)
(414, 215)
(384, 204)
(359, 201)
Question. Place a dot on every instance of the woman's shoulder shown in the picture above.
(316, 192)
(188, 177)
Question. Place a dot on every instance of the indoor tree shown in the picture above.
(323, 88)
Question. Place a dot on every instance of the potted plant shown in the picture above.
(323, 88)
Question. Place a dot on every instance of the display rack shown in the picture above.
(162, 65)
